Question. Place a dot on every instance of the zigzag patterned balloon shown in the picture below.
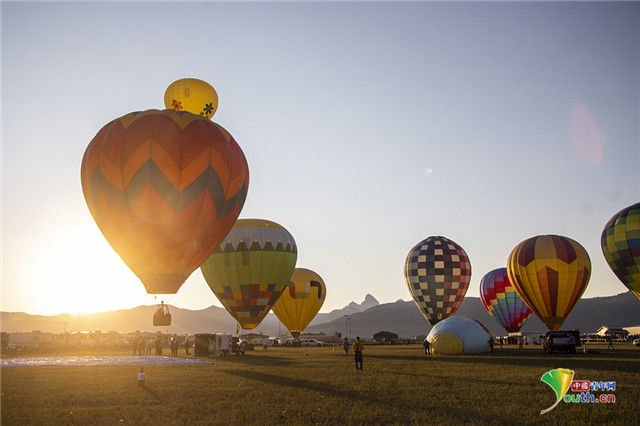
(502, 302)
(165, 188)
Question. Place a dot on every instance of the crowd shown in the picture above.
(146, 345)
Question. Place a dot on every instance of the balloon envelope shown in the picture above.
(301, 300)
(192, 95)
(165, 188)
(458, 335)
(249, 270)
(620, 243)
(437, 272)
(501, 300)
(550, 273)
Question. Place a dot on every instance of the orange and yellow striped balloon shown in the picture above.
(550, 273)
(165, 188)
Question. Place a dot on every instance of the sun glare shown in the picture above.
(79, 272)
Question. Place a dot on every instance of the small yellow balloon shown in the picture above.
(192, 95)
(300, 301)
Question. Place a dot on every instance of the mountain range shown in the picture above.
(366, 318)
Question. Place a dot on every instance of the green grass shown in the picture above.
(282, 385)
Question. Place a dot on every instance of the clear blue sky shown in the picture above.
(367, 128)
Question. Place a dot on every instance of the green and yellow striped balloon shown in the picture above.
(621, 246)
(250, 269)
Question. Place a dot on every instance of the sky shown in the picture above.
(367, 128)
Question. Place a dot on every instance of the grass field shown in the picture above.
(282, 385)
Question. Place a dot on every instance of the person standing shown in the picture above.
(610, 345)
(491, 343)
(345, 345)
(186, 345)
(357, 350)
(158, 345)
(426, 345)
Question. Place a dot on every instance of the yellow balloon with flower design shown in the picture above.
(192, 95)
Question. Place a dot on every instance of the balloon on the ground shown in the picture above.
(458, 335)
(502, 302)
(621, 246)
(550, 273)
(249, 270)
(300, 301)
(192, 95)
(437, 272)
(165, 188)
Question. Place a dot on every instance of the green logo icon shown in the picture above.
(560, 381)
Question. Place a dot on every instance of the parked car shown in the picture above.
(311, 342)
(561, 341)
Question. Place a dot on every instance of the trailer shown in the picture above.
(561, 341)
(213, 344)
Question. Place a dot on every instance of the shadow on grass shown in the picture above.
(153, 394)
(369, 398)
(272, 379)
(260, 360)
(622, 360)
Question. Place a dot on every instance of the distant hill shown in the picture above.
(352, 308)
(405, 319)
(367, 318)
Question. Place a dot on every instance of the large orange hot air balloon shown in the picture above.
(165, 188)
(550, 273)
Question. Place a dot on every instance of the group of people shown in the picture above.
(358, 346)
(145, 345)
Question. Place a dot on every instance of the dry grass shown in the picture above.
(282, 385)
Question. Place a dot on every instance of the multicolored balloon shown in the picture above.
(437, 272)
(300, 301)
(165, 188)
(501, 300)
(192, 95)
(550, 273)
(621, 246)
(251, 268)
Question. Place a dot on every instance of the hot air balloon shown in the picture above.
(458, 335)
(192, 95)
(437, 272)
(300, 301)
(165, 188)
(501, 300)
(251, 268)
(621, 246)
(550, 273)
